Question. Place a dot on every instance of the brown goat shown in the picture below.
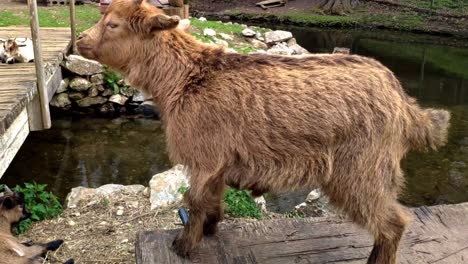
(12, 211)
(271, 123)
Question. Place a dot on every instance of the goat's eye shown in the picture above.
(112, 25)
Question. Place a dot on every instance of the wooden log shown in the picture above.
(41, 82)
(438, 234)
(73, 25)
(176, 3)
(186, 12)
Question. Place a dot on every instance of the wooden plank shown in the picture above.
(11, 141)
(438, 234)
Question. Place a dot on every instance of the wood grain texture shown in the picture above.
(18, 81)
(438, 234)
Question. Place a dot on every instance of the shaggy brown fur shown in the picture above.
(13, 210)
(271, 123)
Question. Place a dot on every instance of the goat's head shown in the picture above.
(12, 206)
(123, 30)
(10, 51)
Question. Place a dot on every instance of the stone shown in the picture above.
(60, 100)
(93, 91)
(79, 84)
(209, 32)
(202, 19)
(97, 78)
(258, 44)
(244, 26)
(108, 92)
(63, 86)
(128, 91)
(221, 42)
(164, 187)
(313, 195)
(184, 25)
(249, 33)
(118, 99)
(82, 66)
(291, 42)
(280, 49)
(75, 96)
(82, 196)
(298, 50)
(138, 97)
(231, 50)
(148, 109)
(107, 108)
(100, 87)
(341, 50)
(89, 101)
(273, 37)
(226, 36)
(120, 212)
(261, 203)
(71, 223)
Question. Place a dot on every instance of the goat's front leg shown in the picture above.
(205, 212)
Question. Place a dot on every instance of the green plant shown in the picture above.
(41, 204)
(182, 189)
(240, 204)
(112, 79)
(295, 214)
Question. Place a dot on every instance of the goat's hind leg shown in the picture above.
(204, 201)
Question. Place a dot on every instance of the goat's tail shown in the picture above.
(431, 129)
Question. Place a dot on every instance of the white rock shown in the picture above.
(164, 187)
(184, 24)
(244, 25)
(258, 44)
(90, 196)
(138, 97)
(226, 36)
(120, 212)
(124, 241)
(82, 66)
(277, 36)
(118, 99)
(103, 223)
(261, 203)
(71, 223)
(202, 19)
(314, 195)
(248, 33)
(298, 50)
(301, 205)
(221, 42)
(341, 50)
(280, 49)
(209, 32)
(231, 50)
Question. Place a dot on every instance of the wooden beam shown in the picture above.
(438, 234)
(41, 83)
(12, 139)
(73, 26)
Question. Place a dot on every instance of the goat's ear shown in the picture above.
(8, 203)
(162, 22)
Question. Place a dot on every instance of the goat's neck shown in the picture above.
(5, 226)
(168, 67)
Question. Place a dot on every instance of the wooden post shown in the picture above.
(41, 83)
(73, 26)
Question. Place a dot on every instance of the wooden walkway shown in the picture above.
(438, 234)
(19, 99)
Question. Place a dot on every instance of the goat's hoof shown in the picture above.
(54, 245)
(181, 247)
(70, 261)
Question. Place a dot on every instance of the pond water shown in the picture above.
(95, 151)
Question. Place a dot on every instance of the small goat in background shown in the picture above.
(12, 211)
(17, 50)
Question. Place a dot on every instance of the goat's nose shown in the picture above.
(82, 35)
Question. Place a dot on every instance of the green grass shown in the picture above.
(217, 26)
(59, 16)
(451, 6)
